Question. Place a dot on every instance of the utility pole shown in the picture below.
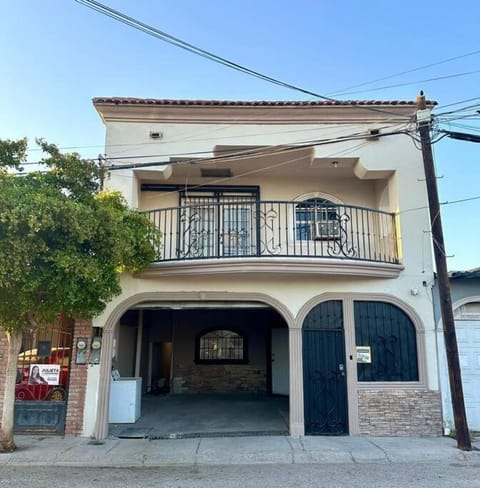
(454, 373)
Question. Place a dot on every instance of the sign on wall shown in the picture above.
(44, 374)
(364, 354)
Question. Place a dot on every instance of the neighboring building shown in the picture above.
(465, 291)
(295, 260)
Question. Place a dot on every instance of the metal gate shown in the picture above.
(325, 390)
(218, 223)
(42, 378)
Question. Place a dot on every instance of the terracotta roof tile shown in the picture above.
(260, 103)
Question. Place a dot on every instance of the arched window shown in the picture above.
(221, 346)
(316, 219)
(390, 335)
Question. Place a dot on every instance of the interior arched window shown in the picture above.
(316, 219)
(221, 346)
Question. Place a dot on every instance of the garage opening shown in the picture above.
(198, 369)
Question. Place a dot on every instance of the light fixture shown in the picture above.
(335, 164)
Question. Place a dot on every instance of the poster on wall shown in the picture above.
(44, 374)
(364, 354)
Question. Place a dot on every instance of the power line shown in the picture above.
(458, 117)
(242, 154)
(254, 171)
(405, 72)
(181, 154)
(458, 110)
(164, 36)
(453, 202)
(252, 154)
(464, 126)
(188, 138)
(258, 145)
(456, 103)
(261, 147)
(438, 78)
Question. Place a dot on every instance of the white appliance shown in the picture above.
(125, 401)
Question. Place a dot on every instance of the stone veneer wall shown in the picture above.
(400, 412)
(219, 378)
(78, 381)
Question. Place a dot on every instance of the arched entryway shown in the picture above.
(191, 352)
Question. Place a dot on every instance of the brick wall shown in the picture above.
(3, 366)
(78, 381)
(400, 412)
(221, 378)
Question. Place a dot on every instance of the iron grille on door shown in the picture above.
(47, 348)
(325, 389)
(218, 225)
(391, 335)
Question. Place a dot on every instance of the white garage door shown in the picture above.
(468, 339)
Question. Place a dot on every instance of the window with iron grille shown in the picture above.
(218, 223)
(221, 346)
(316, 219)
(391, 336)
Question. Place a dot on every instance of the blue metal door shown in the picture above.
(325, 389)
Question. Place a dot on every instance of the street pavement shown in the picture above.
(279, 450)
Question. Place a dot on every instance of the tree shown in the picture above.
(63, 246)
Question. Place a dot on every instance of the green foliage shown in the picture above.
(63, 244)
(12, 153)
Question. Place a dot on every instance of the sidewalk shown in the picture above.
(77, 451)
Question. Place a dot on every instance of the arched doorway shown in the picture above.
(204, 369)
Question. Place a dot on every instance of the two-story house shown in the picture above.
(295, 260)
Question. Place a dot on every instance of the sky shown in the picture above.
(56, 55)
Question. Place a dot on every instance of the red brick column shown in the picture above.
(3, 365)
(78, 380)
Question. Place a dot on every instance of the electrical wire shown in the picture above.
(461, 109)
(181, 154)
(456, 103)
(164, 36)
(254, 171)
(249, 154)
(262, 147)
(438, 78)
(453, 202)
(234, 136)
(406, 72)
(463, 126)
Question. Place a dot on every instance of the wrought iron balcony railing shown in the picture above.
(239, 229)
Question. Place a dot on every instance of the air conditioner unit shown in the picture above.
(328, 229)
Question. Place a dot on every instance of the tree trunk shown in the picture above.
(7, 444)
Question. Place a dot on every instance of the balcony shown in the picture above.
(249, 234)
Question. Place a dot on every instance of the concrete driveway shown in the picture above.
(207, 415)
